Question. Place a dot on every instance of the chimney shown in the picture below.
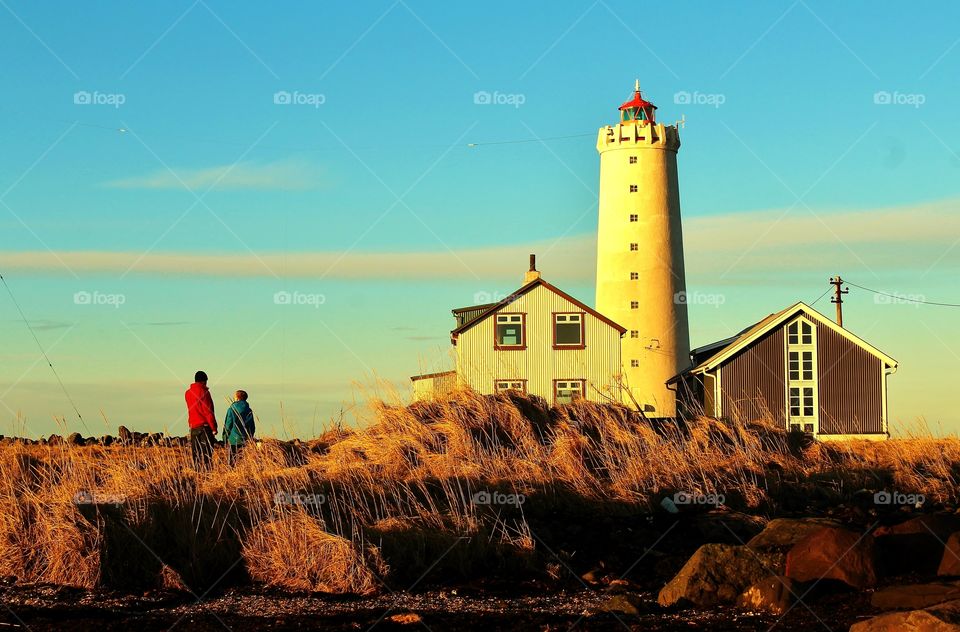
(532, 274)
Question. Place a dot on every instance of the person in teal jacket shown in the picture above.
(238, 427)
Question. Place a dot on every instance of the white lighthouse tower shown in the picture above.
(640, 277)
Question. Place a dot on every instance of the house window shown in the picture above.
(634, 276)
(801, 376)
(634, 333)
(634, 217)
(634, 363)
(634, 304)
(501, 386)
(510, 331)
(634, 247)
(568, 330)
(633, 160)
(633, 188)
(566, 391)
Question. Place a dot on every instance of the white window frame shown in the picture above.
(569, 318)
(800, 341)
(567, 385)
(503, 386)
(510, 319)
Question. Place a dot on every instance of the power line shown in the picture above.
(820, 297)
(44, 353)
(900, 297)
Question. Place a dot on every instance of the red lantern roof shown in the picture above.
(637, 102)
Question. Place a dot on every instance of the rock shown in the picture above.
(75, 438)
(834, 553)
(106, 441)
(915, 596)
(916, 545)
(54, 439)
(124, 436)
(716, 573)
(783, 533)
(405, 618)
(624, 604)
(775, 595)
(941, 618)
(950, 560)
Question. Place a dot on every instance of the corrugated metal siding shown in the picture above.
(753, 381)
(430, 387)
(479, 364)
(851, 386)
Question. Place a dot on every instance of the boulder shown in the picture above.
(950, 560)
(915, 596)
(54, 439)
(944, 617)
(834, 553)
(75, 438)
(783, 533)
(106, 441)
(625, 603)
(774, 595)
(124, 435)
(715, 574)
(916, 545)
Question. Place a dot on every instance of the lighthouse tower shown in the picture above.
(640, 278)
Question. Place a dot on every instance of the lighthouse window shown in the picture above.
(634, 276)
(633, 160)
(509, 331)
(634, 333)
(634, 217)
(568, 330)
(634, 304)
(634, 363)
(634, 246)
(633, 188)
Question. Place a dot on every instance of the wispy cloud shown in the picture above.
(736, 248)
(245, 175)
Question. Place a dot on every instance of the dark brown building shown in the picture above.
(796, 368)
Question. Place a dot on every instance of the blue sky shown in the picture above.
(820, 138)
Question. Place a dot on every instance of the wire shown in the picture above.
(530, 140)
(903, 298)
(821, 296)
(44, 353)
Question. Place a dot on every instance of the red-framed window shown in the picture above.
(568, 390)
(569, 330)
(510, 331)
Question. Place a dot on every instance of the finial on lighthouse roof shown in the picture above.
(637, 108)
(636, 85)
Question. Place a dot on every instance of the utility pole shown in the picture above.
(838, 292)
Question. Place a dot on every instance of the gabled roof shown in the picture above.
(538, 282)
(749, 335)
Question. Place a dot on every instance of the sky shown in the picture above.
(292, 196)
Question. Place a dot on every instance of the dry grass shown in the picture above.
(395, 499)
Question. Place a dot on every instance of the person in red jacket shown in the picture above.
(202, 420)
